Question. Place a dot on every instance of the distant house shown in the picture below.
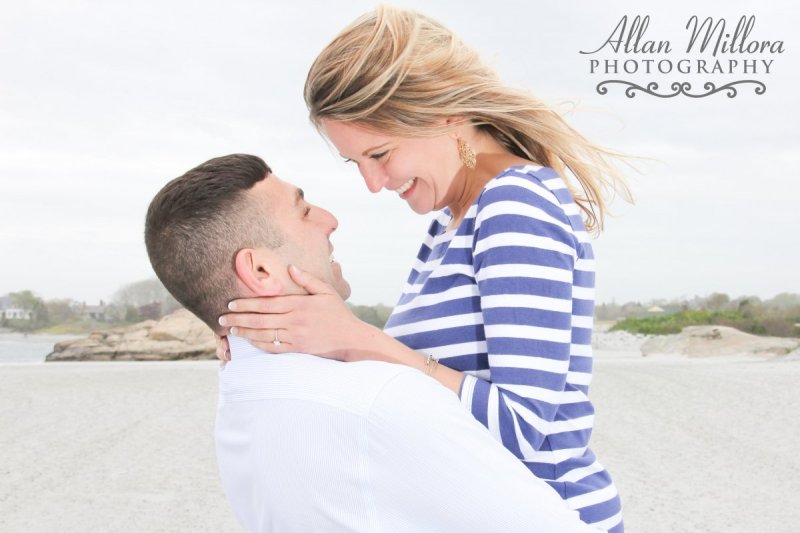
(94, 312)
(10, 311)
(151, 311)
(655, 310)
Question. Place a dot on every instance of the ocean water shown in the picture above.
(21, 348)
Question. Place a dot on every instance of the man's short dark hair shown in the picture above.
(197, 223)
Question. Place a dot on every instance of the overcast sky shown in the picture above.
(101, 103)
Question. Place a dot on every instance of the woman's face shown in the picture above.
(421, 171)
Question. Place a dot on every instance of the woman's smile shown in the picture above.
(405, 189)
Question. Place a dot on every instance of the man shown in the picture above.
(310, 444)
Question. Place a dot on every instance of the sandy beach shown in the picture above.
(700, 445)
(694, 445)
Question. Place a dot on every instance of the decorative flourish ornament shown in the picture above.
(681, 88)
(466, 153)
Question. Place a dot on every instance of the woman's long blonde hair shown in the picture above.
(400, 73)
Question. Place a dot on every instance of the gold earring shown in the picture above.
(466, 153)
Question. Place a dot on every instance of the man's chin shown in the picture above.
(339, 283)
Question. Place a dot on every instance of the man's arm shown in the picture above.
(433, 467)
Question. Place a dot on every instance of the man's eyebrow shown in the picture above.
(299, 195)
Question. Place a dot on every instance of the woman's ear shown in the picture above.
(256, 269)
(454, 125)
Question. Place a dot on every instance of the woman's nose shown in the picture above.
(374, 176)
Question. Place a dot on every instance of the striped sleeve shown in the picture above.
(524, 253)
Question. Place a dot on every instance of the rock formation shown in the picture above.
(710, 341)
(179, 335)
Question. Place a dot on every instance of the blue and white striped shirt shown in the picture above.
(507, 298)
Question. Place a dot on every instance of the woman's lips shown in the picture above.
(405, 190)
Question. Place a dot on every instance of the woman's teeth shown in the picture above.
(404, 187)
(331, 259)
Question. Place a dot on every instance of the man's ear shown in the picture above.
(256, 269)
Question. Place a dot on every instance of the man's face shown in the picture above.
(307, 229)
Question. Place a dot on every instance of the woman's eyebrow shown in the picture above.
(368, 150)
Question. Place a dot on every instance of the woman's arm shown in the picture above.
(525, 256)
(320, 323)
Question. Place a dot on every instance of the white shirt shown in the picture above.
(309, 444)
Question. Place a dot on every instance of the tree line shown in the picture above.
(142, 300)
(148, 299)
(778, 316)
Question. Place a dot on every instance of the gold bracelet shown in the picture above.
(430, 365)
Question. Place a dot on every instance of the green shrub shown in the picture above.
(774, 323)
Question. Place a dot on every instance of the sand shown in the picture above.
(110, 447)
(694, 445)
(700, 445)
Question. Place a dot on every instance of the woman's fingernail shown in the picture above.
(223, 321)
(232, 306)
(296, 269)
(234, 330)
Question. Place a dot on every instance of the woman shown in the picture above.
(502, 290)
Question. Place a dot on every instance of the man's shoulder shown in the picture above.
(351, 386)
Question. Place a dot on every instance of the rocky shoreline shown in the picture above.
(179, 335)
(699, 342)
(713, 341)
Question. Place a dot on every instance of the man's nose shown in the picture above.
(327, 220)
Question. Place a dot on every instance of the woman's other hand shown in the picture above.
(223, 350)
